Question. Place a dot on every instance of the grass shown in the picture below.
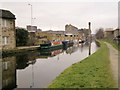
(92, 72)
(113, 43)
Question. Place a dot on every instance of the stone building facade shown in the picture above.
(71, 33)
(75, 33)
(7, 32)
(71, 29)
(42, 37)
(111, 33)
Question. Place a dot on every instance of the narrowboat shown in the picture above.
(51, 46)
(67, 44)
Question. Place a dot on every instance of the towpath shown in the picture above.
(113, 53)
(27, 47)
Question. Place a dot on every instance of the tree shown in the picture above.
(21, 37)
(100, 33)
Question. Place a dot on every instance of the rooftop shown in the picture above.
(110, 30)
(6, 14)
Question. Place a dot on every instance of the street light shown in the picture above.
(32, 63)
(31, 15)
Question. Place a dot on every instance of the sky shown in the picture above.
(55, 15)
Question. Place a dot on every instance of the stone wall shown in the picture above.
(9, 32)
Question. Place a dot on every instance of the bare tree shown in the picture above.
(100, 33)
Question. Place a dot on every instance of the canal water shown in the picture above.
(38, 69)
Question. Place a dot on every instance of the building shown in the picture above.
(81, 34)
(111, 33)
(7, 32)
(71, 29)
(38, 37)
(32, 39)
(39, 30)
(42, 37)
(32, 28)
(58, 35)
(72, 32)
(1, 73)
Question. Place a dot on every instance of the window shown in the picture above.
(0, 40)
(4, 23)
(5, 65)
(5, 40)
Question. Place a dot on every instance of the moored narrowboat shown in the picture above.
(67, 44)
(51, 46)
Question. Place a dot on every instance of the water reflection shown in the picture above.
(51, 53)
(38, 69)
(24, 60)
(72, 49)
(8, 72)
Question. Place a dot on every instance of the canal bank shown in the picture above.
(42, 47)
(92, 72)
(18, 50)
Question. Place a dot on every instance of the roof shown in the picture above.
(111, 30)
(6, 14)
(56, 32)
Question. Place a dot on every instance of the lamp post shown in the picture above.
(89, 37)
(32, 62)
(31, 15)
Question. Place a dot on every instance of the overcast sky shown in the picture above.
(55, 15)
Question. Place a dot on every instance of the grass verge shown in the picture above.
(113, 43)
(92, 72)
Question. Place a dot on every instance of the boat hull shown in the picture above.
(51, 48)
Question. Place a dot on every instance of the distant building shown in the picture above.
(72, 32)
(7, 32)
(39, 30)
(38, 36)
(42, 37)
(58, 35)
(111, 33)
(81, 34)
(32, 39)
(85, 33)
(71, 29)
(32, 28)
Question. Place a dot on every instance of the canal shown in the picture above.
(37, 69)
